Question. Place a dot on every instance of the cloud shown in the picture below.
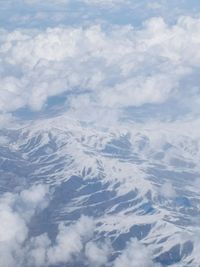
(101, 71)
(70, 241)
(31, 2)
(104, 3)
(167, 190)
(4, 141)
(116, 68)
(34, 195)
(72, 244)
(97, 255)
(18, 248)
(135, 255)
(87, 2)
(15, 215)
(139, 91)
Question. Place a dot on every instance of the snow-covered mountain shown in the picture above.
(134, 184)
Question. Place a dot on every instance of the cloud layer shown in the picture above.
(100, 69)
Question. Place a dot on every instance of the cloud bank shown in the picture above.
(100, 69)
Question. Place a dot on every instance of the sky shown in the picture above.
(121, 60)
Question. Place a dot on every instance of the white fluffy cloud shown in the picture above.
(116, 68)
(18, 249)
(70, 241)
(16, 212)
(135, 255)
(97, 255)
(74, 242)
(167, 190)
